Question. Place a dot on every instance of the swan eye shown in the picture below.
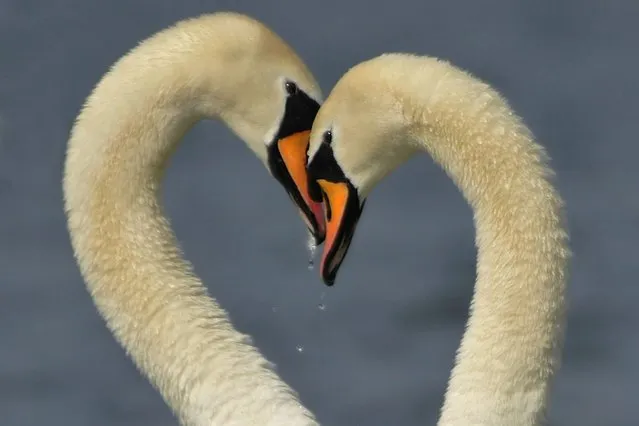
(291, 88)
(328, 137)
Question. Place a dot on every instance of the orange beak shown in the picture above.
(342, 210)
(292, 150)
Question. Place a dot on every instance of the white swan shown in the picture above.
(223, 65)
(385, 110)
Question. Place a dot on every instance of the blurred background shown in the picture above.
(381, 351)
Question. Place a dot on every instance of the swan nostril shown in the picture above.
(327, 206)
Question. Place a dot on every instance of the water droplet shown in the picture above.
(321, 306)
(312, 247)
(300, 348)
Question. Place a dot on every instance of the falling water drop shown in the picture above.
(321, 306)
(312, 247)
(300, 348)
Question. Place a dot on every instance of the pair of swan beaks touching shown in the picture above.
(328, 158)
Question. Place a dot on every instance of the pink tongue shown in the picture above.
(318, 212)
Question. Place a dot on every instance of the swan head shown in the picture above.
(267, 96)
(358, 137)
(286, 155)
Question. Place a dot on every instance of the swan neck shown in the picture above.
(147, 292)
(510, 349)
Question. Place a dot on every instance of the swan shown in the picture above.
(225, 66)
(387, 109)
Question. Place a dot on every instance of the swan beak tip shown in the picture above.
(329, 282)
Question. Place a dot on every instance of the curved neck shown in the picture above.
(510, 350)
(152, 301)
